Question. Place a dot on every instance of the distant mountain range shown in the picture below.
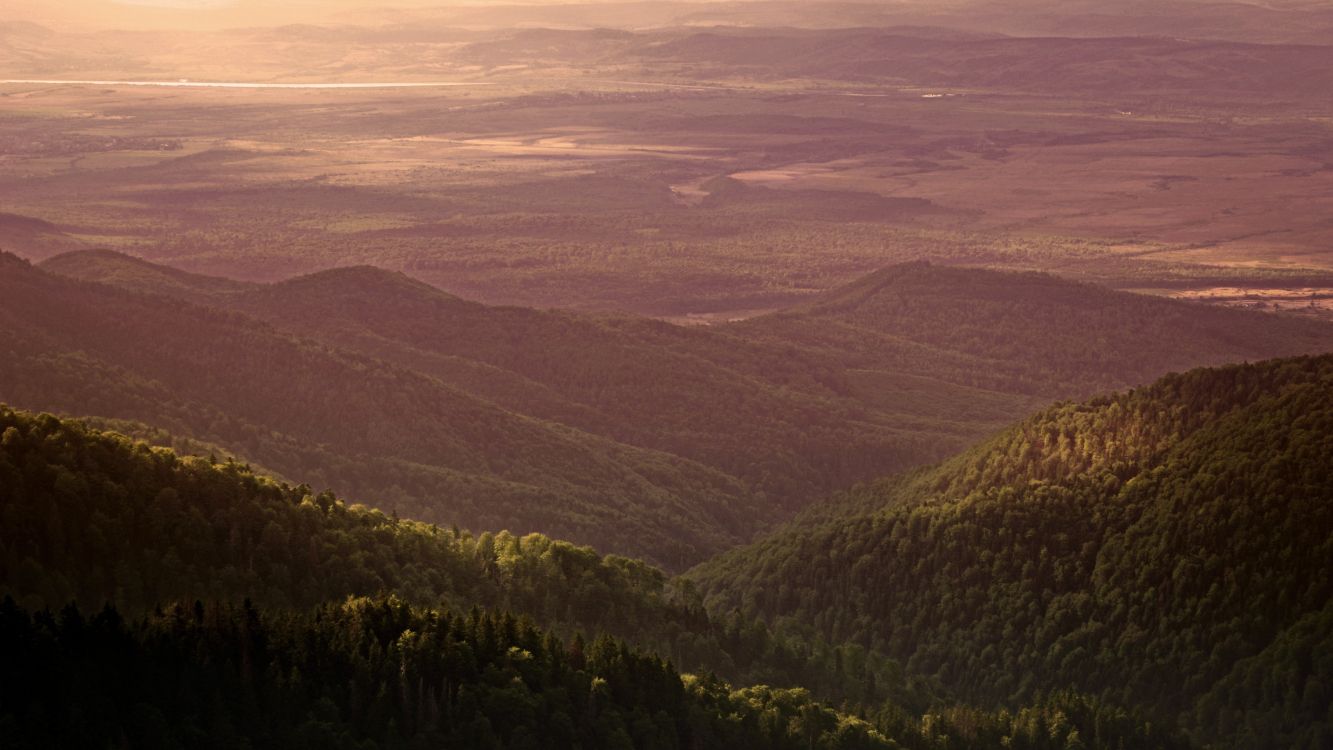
(633, 435)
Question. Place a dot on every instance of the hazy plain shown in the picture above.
(684, 172)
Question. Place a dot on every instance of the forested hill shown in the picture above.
(91, 517)
(1165, 548)
(780, 420)
(633, 435)
(889, 372)
(335, 418)
(1028, 332)
(128, 272)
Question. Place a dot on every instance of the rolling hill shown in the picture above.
(94, 517)
(1164, 548)
(706, 423)
(337, 418)
(133, 274)
(1060, 339)
(776, 422)
(36, 238)
(775, 419)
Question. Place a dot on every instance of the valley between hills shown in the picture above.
(633, 435)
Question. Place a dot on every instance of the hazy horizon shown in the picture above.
(216, 15)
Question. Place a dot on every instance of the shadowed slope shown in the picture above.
(1027, 332)
(900, 367)
(338, 418)
(134, 274)
(773, 417)
(778, 419)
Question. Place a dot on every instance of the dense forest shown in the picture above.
(93, 518)
(1165, 549)
(371, 674)
(378, 673)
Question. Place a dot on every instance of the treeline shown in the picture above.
(378, 673)
(371, 674)
(1164, 549)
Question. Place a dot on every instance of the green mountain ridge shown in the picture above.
(1164, 549)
